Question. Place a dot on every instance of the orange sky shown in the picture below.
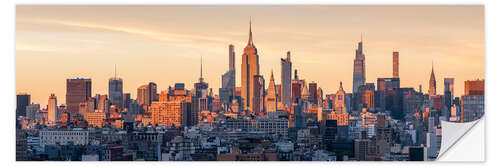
(163, 44)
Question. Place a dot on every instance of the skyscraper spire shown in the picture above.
(432, 82)
(272, 76)
(115, 70)
(250, 40)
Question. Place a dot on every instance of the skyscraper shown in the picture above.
(271, 99)
(432, 83)
(359, 76)
(152, 92)
(77, 91)
(475, 87)
(115, 91)
(126, 100)
(231, 57)
(448, 94)
(226, 92)
(23, 100)
(286, 81)
(395, 64)
(249, 69)
(258, 94)
(473, 101)
(449, 86)
(340, 114)
(142, 95)
(52, 108)
(313, 92)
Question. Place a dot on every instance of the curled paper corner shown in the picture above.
(452, 132)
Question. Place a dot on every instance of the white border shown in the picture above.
(7, 43)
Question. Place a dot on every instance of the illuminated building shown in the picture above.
(473, 101)
(77, 91)
(52, 109)
(271, 100)
(249, 68)
(395, 64)
(432, 83)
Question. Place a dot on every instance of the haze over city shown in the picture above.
(163, 44)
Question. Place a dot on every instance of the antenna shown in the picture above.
(201, 68)
(115, 71)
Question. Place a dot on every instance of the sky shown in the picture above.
(164, 44)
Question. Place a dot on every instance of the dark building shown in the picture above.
(77, 91)
(416, 153)
(115, 91)
(388, 95)
(330, 134)
(22, 101)
(126, 100)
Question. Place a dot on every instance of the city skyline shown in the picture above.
(46, 37)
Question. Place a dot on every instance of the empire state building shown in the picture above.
(249, 69)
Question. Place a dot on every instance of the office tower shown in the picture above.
(296, 88)
(249, 69)
(388, 96)
(258, 94)
(52, 108)
(32, 110)
(115, 91)
(475, 87)
(363, 99)
(448, 95)
(298, 113)
(331, 132)
(449, 86)
(77, 91)
(231, 57)
(152, 92)
(313, 92)
(22, 100)
(395, 64)
(271, 100)
(473, 101)
(432, 83)
(126, 100)
(147, 94)
(201, 87)
(170, 113)
(286, 81)
(368, 99)
(142, 95)
(359, 76)
(361, 148)
(226, 92)
(340, 114)
(103, 103)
